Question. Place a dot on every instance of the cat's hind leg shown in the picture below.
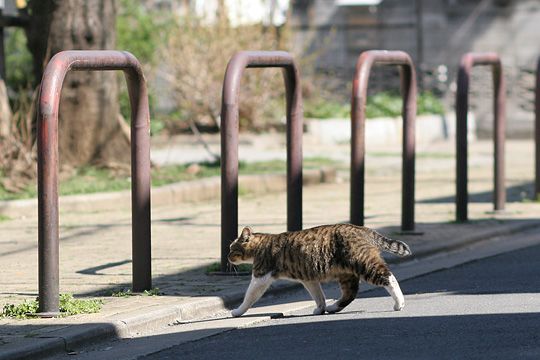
(316, 292)
(378, 273)
(349, 288)
(395, 291)
(256, 289)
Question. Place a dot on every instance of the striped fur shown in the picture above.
(396, 247)
(342, 252)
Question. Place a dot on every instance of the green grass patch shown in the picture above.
(122, 293)
(525, 198)
(152, 292)
(382, 104)
(4, 218)
(216, 267)
(129, 292)
(68, 306)
(419, 155)
(320, 109)
(88, 180)
(20, 311)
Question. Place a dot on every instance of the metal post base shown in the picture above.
(45, 314)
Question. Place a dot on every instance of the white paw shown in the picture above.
(334, 308)
(399, 305)
(237, 312)
(318, 311)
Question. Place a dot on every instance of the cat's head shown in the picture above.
(240, 251)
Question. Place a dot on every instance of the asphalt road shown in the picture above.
(486, 309)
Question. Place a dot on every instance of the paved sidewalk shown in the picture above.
(95, 246)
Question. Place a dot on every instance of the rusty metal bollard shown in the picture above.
(536, 195)
(229, 140)
(462, 100)
(49, 99)
(358, 118)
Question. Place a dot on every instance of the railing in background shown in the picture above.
(358, 118)
(536, 195)
(229, 140)
(49, 99)
(468, 61)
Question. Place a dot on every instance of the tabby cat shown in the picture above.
(343, 252)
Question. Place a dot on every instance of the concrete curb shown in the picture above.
(70, 337)
(187, 191)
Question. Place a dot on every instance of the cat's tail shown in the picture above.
(396, 247)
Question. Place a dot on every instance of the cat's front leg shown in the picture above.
(316, 292)
(256, 289)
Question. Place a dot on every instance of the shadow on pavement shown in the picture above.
(490, 336)
(485, 336)
(516, 193)
(74, 233)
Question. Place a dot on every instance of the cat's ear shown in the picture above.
(246, 233)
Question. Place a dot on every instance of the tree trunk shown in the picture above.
(89, 131)
(5, 111)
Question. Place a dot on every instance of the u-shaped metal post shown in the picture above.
(358, 119)
(537, 133)
(49, 99)
(468, 61)
(229, 140)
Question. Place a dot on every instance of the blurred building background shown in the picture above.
(435, 33)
